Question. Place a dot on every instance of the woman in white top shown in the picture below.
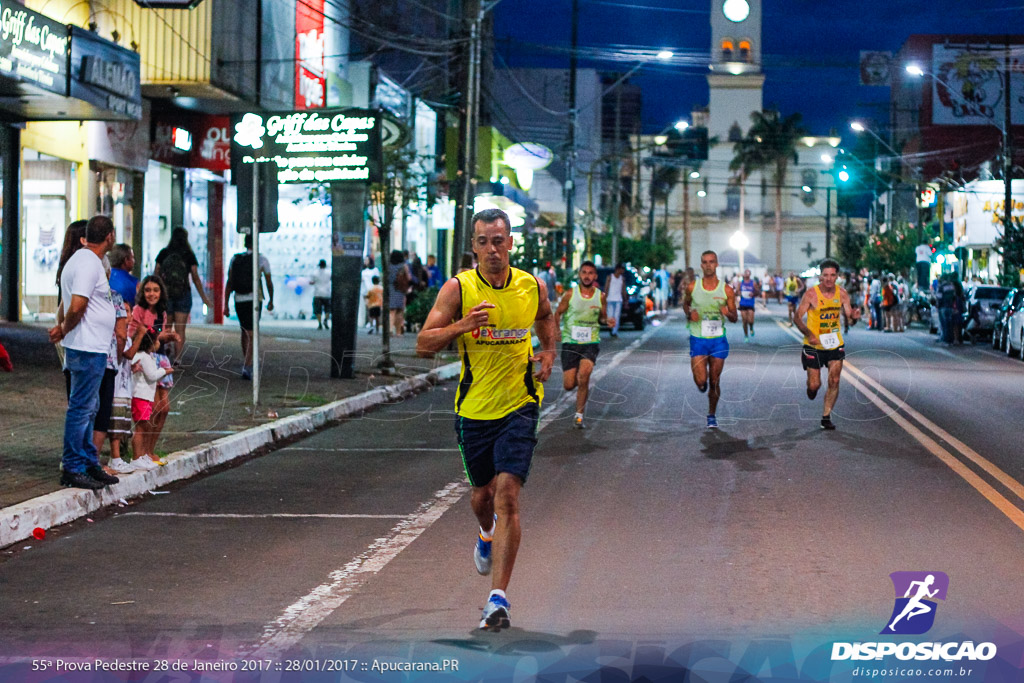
(615, 294)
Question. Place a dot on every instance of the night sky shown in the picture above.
(811, 48)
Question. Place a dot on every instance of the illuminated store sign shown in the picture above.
(323, 146)
(105, 74)
(310, 79)
(33, 48)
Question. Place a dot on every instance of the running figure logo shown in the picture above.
(914, 612)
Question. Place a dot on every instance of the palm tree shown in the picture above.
(771, 143)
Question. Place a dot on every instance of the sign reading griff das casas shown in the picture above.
(311, 146)
(33, 48)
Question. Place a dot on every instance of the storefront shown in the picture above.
(976, 214)
(56, 80)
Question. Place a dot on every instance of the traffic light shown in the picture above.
(843, 174)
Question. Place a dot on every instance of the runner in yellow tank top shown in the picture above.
(489, 312)
(824, 306)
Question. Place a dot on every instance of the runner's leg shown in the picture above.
(699, 367)
(835, 368)
(482, 502)
(583, 384)
(715, 366)
(507, 532)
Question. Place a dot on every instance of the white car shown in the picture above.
(1014, 340)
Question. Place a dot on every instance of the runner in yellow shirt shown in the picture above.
(824, 306)
(489, 312)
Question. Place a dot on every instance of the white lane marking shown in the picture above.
(306, 613)
(372, 450)
(1004, 505)
(269, 515)
(309, 611)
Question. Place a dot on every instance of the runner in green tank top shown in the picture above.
(708, 303)
(580, 314)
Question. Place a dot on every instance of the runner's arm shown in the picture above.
(603, 318)
(563, 306)
(547, 332)
(852, 313)
(729, 310)
(688, 303)
(809, 299)
(444, 323)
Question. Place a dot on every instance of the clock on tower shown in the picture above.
(736, 10)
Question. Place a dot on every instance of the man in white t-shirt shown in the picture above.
(85, 333)
(321, 281)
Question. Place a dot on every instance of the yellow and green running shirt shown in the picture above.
(709, 304)
(581, 323)
(824, 321)
(497, 375)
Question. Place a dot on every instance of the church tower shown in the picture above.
(736, 80)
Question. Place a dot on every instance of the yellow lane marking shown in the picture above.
(1014, 514)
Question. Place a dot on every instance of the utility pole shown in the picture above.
(467, 142)
(686, 216)
(1007, 155)
(570, 166)
(828, 221)
(650, 213)
(617, 196)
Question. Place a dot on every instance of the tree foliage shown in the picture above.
(1010, 245)
(770, 144)
(891, 251)
(637, 252)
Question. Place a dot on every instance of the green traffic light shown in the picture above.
(844, 175)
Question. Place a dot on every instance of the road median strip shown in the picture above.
(17, 522)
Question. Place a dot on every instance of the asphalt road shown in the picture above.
(650, 544)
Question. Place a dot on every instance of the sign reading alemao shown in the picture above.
(105, 74)
(33, 48)
(318, 146)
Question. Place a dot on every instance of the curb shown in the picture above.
(60, 507)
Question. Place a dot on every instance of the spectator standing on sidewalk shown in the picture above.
(615, 296)
(436, 279)
(147, 375)
(366, 276)
(248, 307)
(875, 301)
(122, 262)
(74, 239)
(375, 304)
(86, 329)
(321, 282)
(176, 264)
(400, 281)
(150, 312)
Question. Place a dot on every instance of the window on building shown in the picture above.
(727, 50)
(732, 200)
(735, 132)
(745, 51)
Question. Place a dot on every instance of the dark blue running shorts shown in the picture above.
(504, 445)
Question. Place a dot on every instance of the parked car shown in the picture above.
(983, 302)
(634, 309)
(1013, 334)
(1010, 304)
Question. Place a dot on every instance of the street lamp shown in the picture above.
(682, 125)
(739, 241)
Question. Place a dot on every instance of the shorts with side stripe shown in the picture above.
(490, 447)
(813, 359)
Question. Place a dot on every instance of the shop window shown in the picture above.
(114, 192)
(727, 50)
(745, 51)
(48, 194)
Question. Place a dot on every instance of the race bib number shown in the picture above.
(711, 328)
(582, 334)
(829, 341)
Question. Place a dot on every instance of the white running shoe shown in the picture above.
(119, 466)
(145, 463)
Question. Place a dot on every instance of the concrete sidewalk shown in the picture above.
(209, 402)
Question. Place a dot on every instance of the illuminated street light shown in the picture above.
(857, 126)
(702, 193)
(666, 54)
(695, 174)
(827, 158)
(915, 70)
(660, 139)
(807, 189)
(682, 125)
